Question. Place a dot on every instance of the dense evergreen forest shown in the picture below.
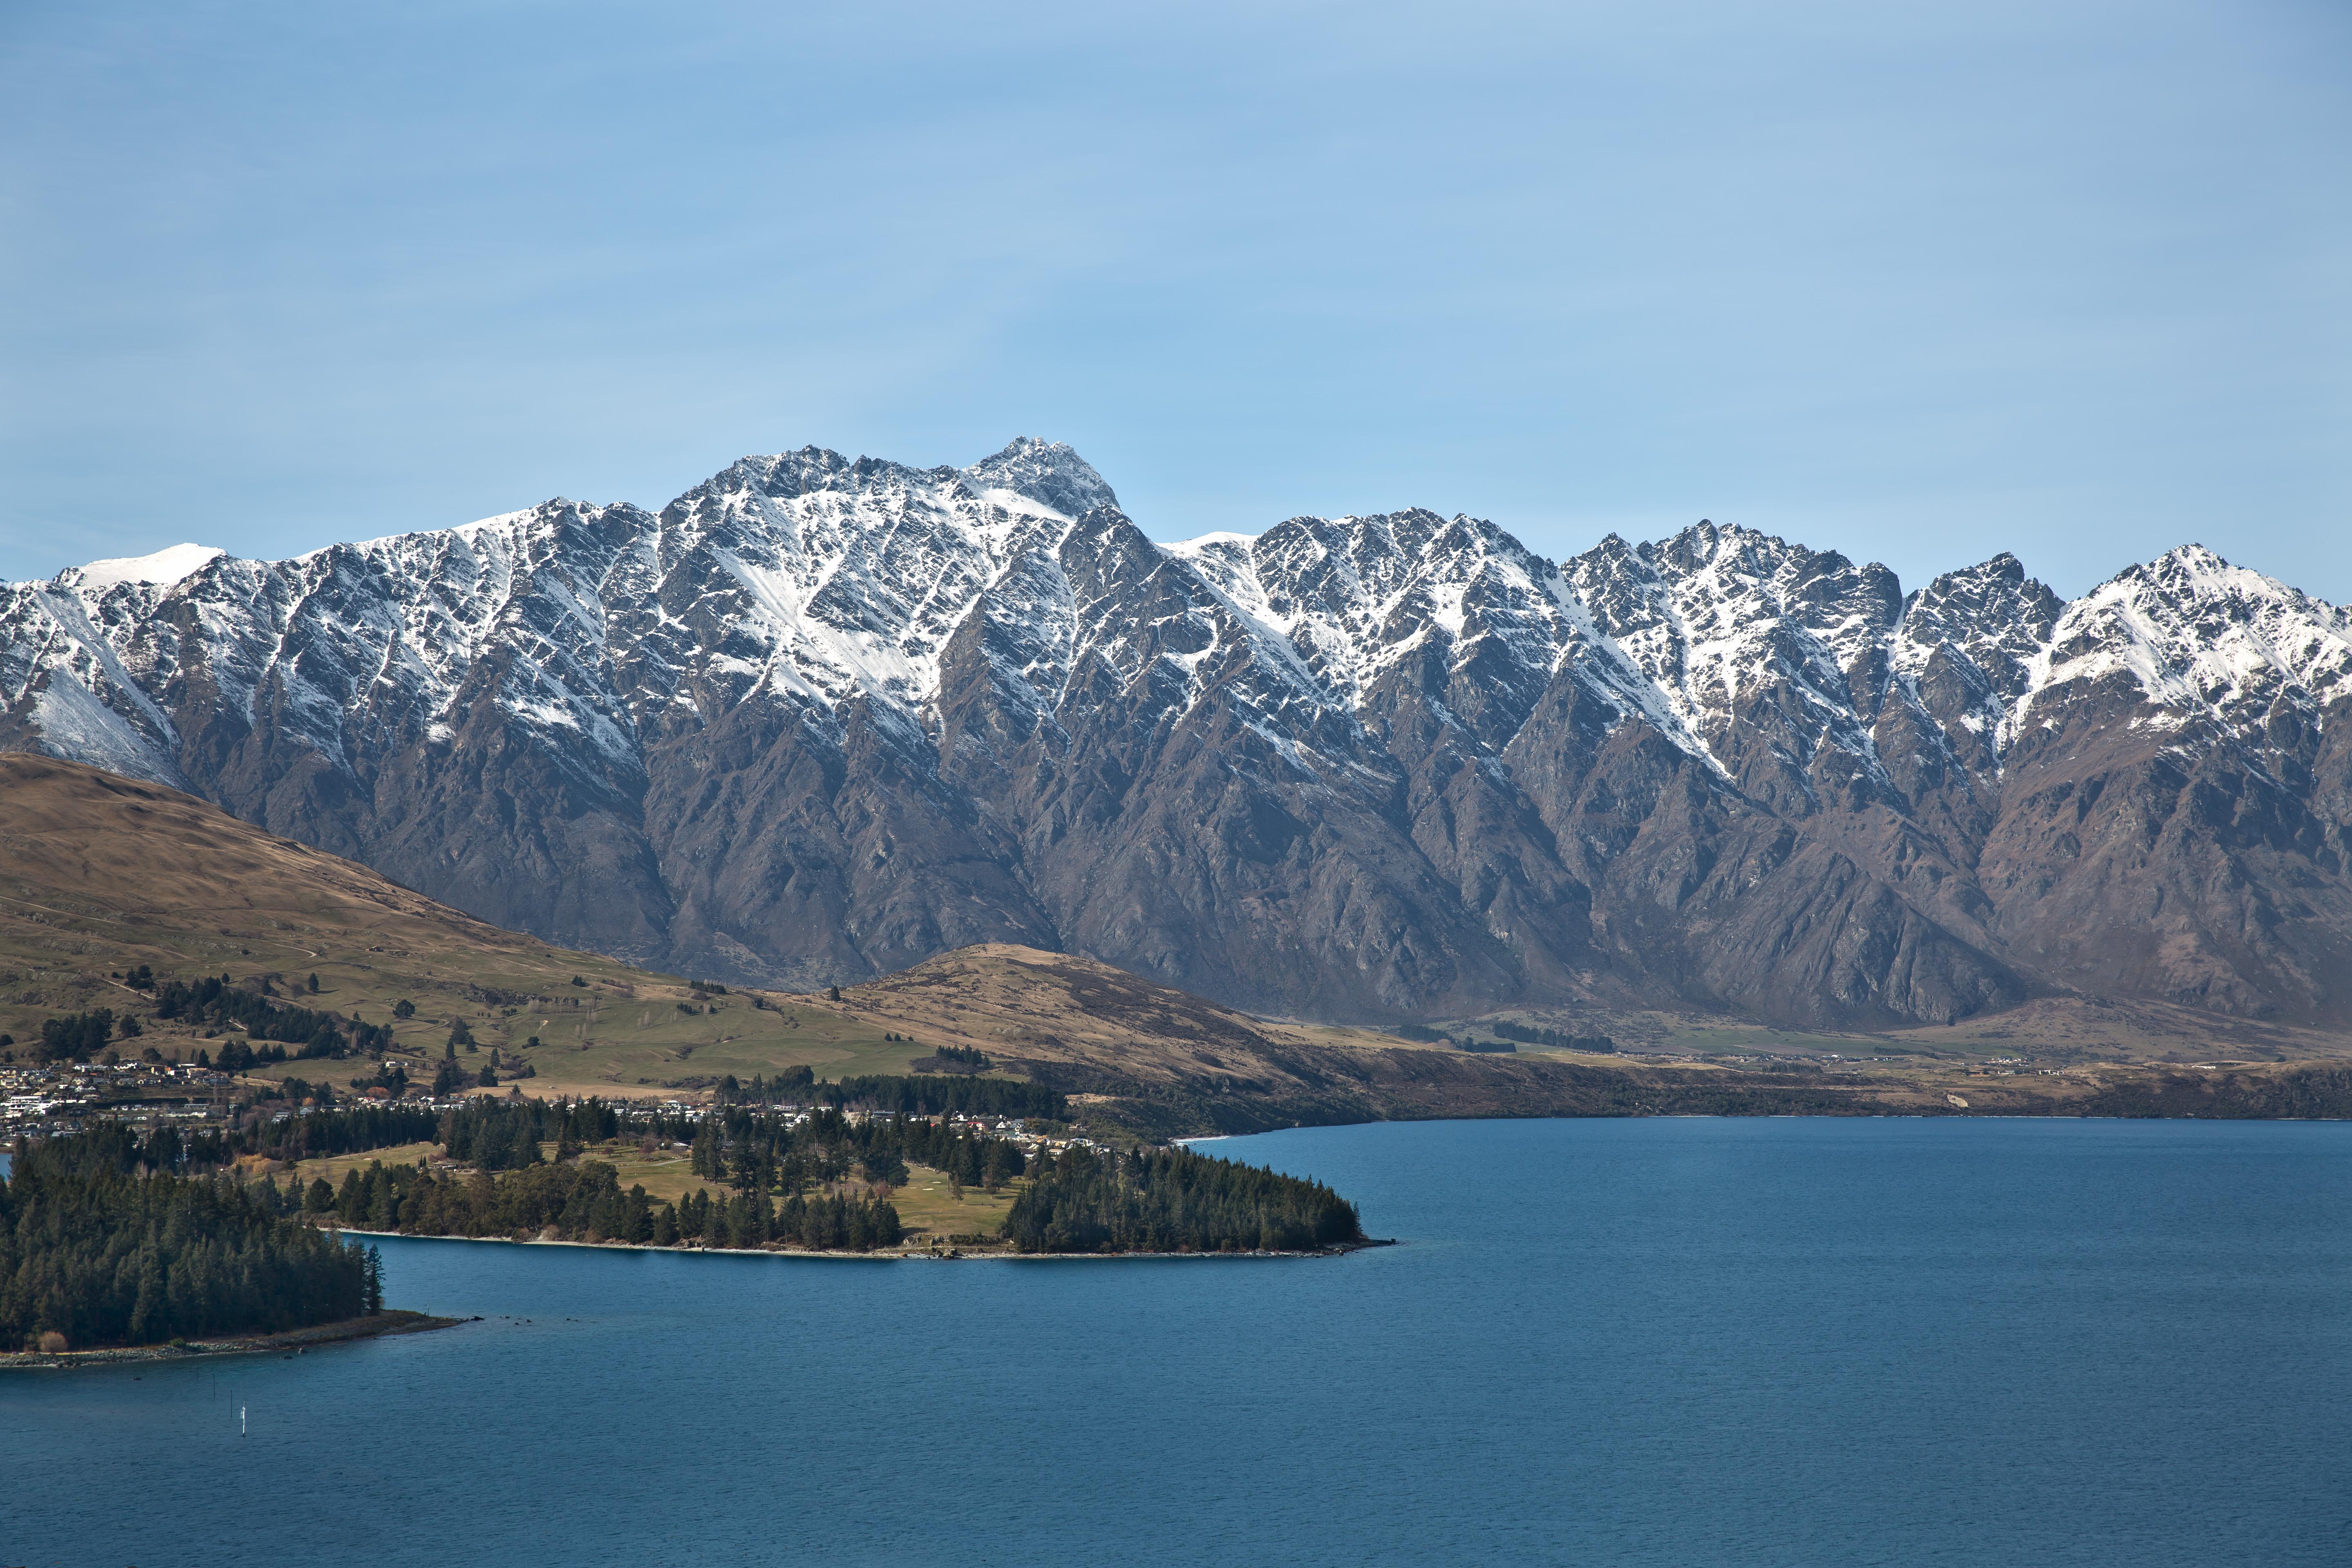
(822, 1184)
(99, 1249)
(832, 1176)
(1173, 1200)
(496, 1134)
(216, 1001)
(758, 1149)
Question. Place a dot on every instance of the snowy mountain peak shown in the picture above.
(1047, 472)
(1356, 596)
(2204, 639)
(1765, 650)
(160, 570)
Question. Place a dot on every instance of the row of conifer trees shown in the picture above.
(585, 1202)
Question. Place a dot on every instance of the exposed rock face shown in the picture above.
(819, 720)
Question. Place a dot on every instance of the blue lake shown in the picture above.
(1630, 1341)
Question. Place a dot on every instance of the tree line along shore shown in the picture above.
(118, 1236)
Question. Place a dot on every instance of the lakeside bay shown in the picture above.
(1643, 1341)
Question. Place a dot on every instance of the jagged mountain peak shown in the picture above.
(2193, 573)
(809, 574)
(1048, 472)
(1026, 474)
(1766, 651)
(1707, 545)
(2202, 638)
(1988, 623)
(1357, 596)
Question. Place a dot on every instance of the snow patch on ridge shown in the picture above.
(164, 568)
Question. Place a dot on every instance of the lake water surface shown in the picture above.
(1669, 1341)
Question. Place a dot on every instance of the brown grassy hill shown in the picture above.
(139, 868)
(101, 874)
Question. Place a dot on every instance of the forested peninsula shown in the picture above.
(819, 1182)
(113, 1236)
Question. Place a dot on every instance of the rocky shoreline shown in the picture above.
(293, 1341)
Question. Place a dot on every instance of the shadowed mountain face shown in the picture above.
(819, 720)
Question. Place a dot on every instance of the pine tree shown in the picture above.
(525, 1148)
(710, 1158)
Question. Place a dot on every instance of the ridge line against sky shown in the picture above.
(180, 558)
(2072, 280)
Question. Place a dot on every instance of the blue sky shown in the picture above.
(1916, 283)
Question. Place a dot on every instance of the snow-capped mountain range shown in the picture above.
(820, 718)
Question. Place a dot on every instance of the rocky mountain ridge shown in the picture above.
(820, 719)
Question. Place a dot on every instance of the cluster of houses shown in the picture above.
(54, 1098)
(1005, 1127)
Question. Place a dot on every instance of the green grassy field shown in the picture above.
(334, 1167)
(927, 1206)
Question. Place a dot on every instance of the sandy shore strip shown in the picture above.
(293, 1341)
